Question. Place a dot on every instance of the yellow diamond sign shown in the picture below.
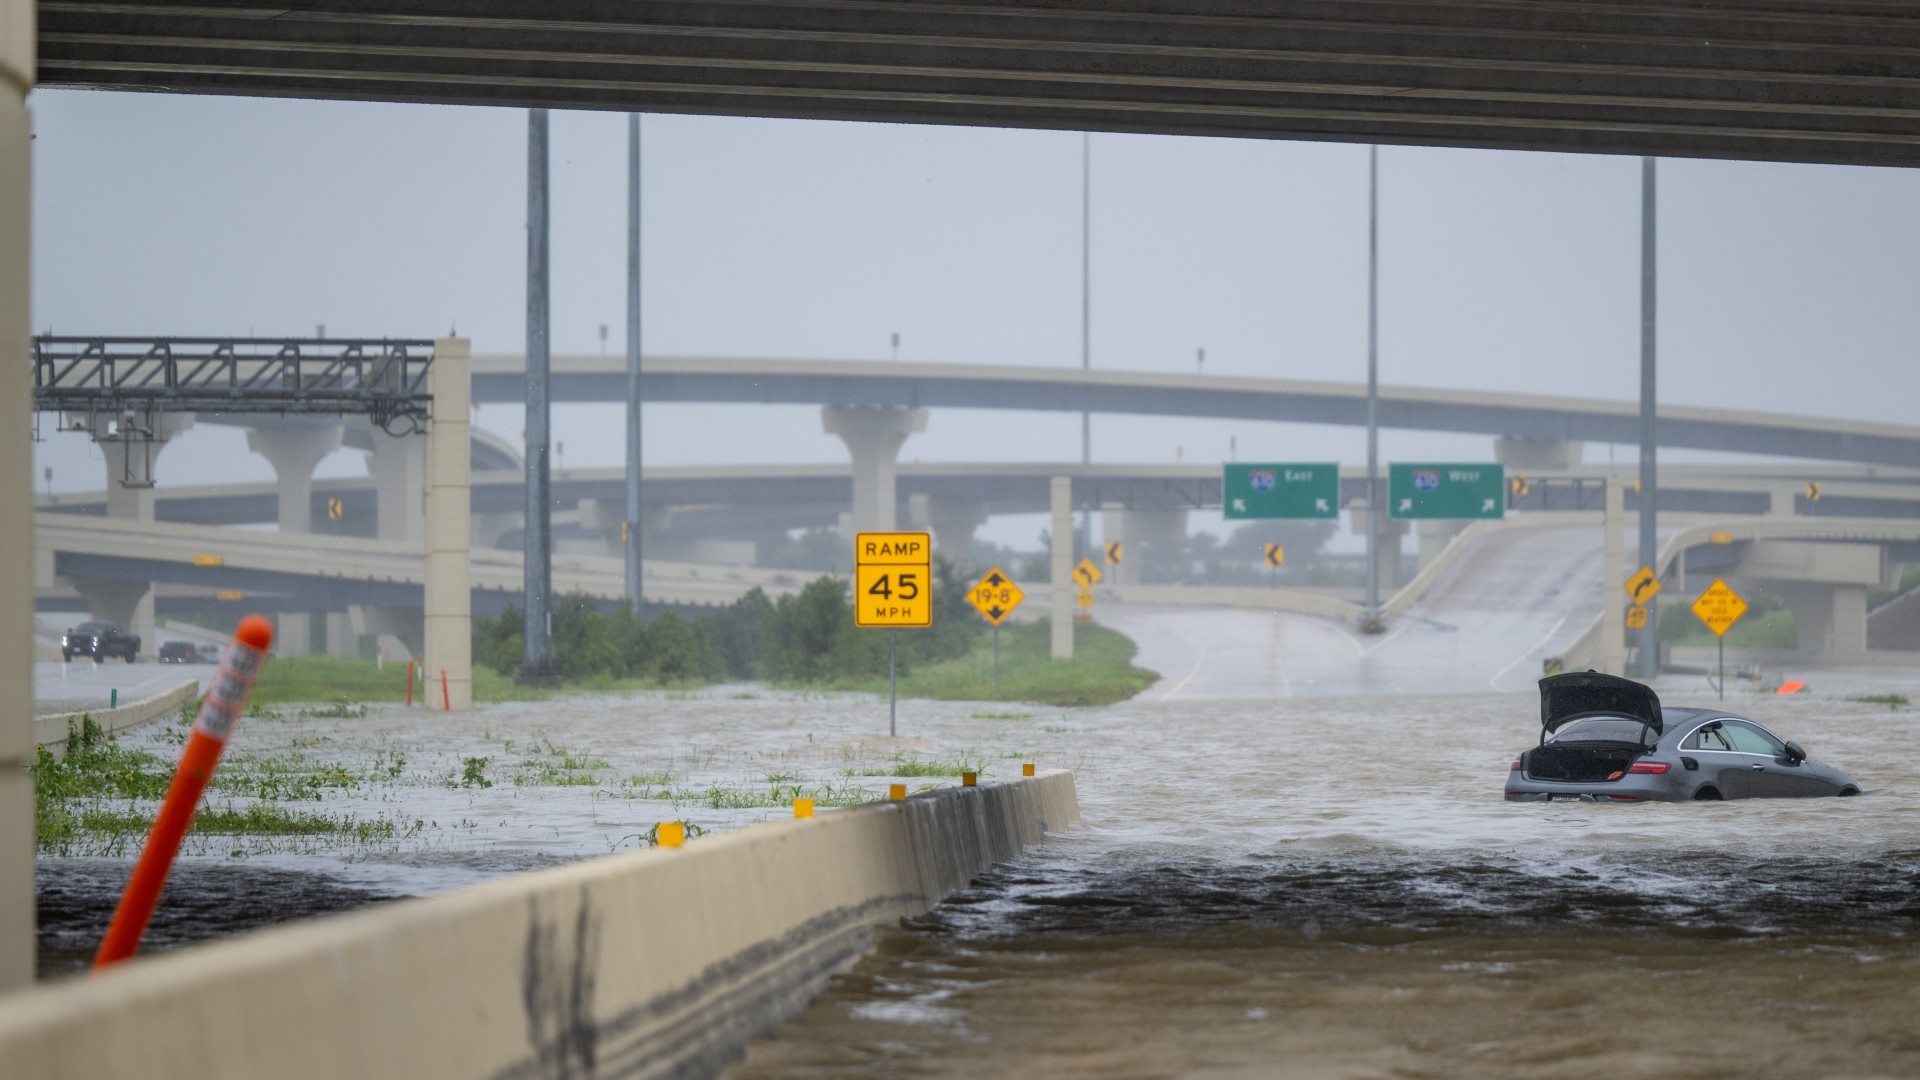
(1719, 607)
(995, 596)
(1087, 574)
(1643, 586)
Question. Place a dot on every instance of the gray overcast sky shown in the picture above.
(1783, 287)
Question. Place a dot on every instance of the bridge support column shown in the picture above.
(873, 436)
(16, 491)
(1433, 538)
(1060, 498)
(1388, 555)
(449, 518)
(115, 600)
(952, 522)
(1521, 453)
(398, 466)
(293, 449)
(1613, 547)
(1137, 530)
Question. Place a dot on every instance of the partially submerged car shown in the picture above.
(1607, 739)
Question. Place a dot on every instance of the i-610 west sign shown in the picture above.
(1447, 491)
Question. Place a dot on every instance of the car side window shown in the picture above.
(1751, 740)
(1708, 737)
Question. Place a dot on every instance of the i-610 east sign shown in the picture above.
(1444, 491)
(1281, 490)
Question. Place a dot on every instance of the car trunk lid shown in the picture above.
(1569, 697)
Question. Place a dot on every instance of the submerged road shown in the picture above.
(1517, 597)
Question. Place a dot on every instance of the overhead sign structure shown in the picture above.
(995, 596)
(1636, 617)
(1719, 607)
(1643, 586)
(1087, 574)
(1114, 551)
(1281, 490)
(1447, 492)
(1276, 555)
(892, 585)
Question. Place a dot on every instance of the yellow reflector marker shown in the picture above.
(897, 792)
(671, 834)
(803, 808)
(1027, 769)
(967, 778)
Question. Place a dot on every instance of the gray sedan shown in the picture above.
(1607, 739)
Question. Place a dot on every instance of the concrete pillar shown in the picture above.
(115, 600)
(952, 522)
(490, 527)
(1060, 499)
(398, 466)
(130, 446)
(873, 437)
(1532, 453)
(1388, 555)
(449, 519)
(1433, 538)
(1137, 530)
(16, 491)
(294, 447)
(341, 640)
(1831, 619)
(1613, 618)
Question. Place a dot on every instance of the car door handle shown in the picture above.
(1759, 768)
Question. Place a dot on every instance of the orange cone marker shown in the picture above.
(219, 711)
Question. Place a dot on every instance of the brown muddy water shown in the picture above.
(1287, 887)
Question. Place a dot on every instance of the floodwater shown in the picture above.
(1334, 887)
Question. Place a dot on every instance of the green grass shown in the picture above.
(1771, 630)
(1895, 702)
(340, 682)
(1100, 673)
(913, 766)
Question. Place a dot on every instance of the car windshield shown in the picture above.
(90, 628)
(1602, 729)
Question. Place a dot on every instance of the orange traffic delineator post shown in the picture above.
(219, 711)
(409, 684)
(446, 697)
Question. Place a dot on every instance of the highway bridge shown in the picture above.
(871, 383)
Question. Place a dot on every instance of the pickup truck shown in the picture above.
(99, 640)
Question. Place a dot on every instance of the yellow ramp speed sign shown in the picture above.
(892, 584)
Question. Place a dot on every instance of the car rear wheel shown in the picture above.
(1846, 791)
(1708, 793)
(99, 658)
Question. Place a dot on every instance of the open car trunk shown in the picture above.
(1581, 762)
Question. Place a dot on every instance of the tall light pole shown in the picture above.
(1086, 284)
(1373, 387)
(632, 524)
(1649, 658)
(536, 656)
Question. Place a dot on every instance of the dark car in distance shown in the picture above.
(99, 640)
(1607, 739)
(179, 652)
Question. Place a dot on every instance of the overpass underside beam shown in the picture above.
(1746, 80)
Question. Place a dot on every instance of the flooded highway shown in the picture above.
(1296, 862)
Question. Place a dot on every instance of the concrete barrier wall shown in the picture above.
(655, 963)
(51, 731)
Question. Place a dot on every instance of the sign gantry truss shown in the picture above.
(384, 379)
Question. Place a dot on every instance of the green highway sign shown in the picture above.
(1281, 491)
(1451, 492)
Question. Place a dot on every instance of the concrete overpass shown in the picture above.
(885, 384)
(1740, 78)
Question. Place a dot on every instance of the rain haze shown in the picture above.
(1785, 288)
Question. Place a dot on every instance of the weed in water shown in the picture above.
(1895, 702)
(474, 772)
(1003, 716)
